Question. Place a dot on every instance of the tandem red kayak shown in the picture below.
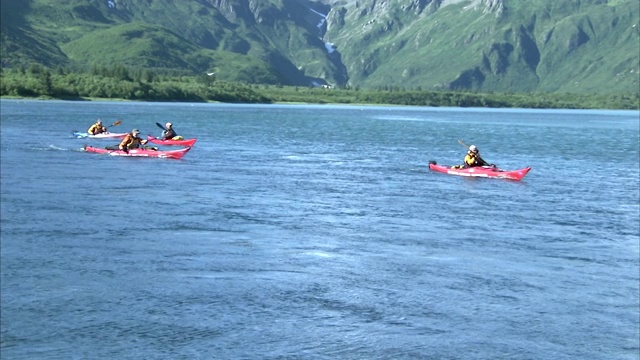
(173, 154)
(481, 171)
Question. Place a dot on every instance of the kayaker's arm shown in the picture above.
(482, 162)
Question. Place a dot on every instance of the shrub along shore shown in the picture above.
(120, 83)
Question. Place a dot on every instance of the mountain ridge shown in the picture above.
(580, 46)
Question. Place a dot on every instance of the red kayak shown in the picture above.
(173, 154)
(480, 171)
(183, 142)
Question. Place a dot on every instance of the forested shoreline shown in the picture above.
(120, 83)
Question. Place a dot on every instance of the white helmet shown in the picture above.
(473, 148)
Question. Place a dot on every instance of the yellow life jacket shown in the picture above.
(97, 129)
(471, 159)
(130, 142)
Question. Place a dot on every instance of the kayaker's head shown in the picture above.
(473, 149)
(99, 122)
(135, 132)
(168, 125)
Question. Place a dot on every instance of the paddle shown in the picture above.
(117, 148)
(482, 161)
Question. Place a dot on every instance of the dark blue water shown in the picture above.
(318, 232)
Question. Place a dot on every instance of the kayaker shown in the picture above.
(131, 141)
(97, 128)
(473, 158)
(168, 132)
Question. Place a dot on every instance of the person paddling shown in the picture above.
(473, 158)
(168, 133)
(131, 141)
(97, 128)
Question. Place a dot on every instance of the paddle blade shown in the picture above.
(116, 123)
(462, 143)
(160, 126)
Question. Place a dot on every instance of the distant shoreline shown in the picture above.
(89, 100)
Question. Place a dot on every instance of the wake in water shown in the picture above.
(50, 147)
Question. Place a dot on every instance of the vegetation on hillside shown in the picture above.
(550, 46)
(587, 46)
(190, 36)
(119, 82)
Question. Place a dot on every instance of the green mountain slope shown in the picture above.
(580, 46)
(149, 46)
(80, 33)
(508, 45)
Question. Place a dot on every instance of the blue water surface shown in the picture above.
(318, 232)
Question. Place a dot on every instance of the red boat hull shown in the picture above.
(173, 154)
(481, 171)
(184, 142)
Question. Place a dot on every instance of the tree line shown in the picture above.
(120, 82)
